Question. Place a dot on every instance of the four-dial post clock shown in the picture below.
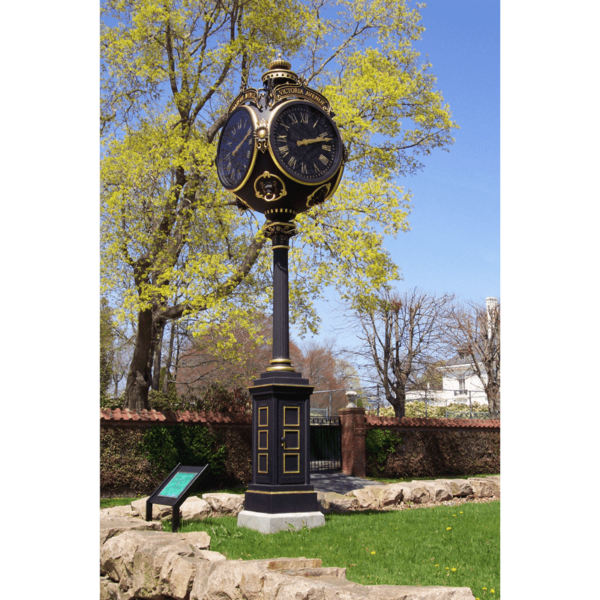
(280, 153)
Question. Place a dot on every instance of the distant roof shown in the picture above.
(461, 359)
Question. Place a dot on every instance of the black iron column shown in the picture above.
(280, 234)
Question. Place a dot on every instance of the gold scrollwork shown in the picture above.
(269, 187)
(319, 195)
(261, 135)
(284, 229)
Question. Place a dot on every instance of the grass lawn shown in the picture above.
(458, 546)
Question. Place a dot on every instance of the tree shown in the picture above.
(475, 335)
(326, 369)
(172, 245)
(214, 359)
(403, 335)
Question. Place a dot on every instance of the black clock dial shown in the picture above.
(236, 148)
(305, 142)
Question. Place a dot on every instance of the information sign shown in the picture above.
(174, 490)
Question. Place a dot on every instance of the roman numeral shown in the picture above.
(326, 147)
(282, 138)
(284, 125)
(284, 150)
(292, 162)
(248, 154)
(304, 118)
(303, 169)
(323, 159)
(293, 118)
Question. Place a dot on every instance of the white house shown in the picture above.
(460, 384)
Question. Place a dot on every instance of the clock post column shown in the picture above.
(280, 234)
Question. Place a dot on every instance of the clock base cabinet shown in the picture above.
(280, 445)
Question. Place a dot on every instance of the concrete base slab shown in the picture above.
(272, 523)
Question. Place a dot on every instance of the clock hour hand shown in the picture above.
(242, 142)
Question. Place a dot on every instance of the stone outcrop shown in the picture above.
(210, 505)
(170, 566)
(458, 487)
(485, 487)
(395, 495)
(225, 505)
(139, 561)
(111, 526)
(334, 502)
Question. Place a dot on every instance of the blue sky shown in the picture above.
(454, 242)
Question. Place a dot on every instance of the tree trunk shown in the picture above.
(158, 329)
(399, 403)
(169, 358)
(139, 376)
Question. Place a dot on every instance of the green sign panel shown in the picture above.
(177, 484)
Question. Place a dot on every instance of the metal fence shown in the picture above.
(325, 444)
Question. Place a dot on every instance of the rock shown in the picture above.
(369, 498)
(134, 559)
(195, 508)
(109, 527)
(484, 488)
(117, 512)
(415, 492)
(109, 590)
(439, 491)
(222, 504)
(458, 487)
(159, 511)
(392, 495)
(334, 502)
(251, 581)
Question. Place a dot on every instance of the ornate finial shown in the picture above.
(280, 63)
(279, 72)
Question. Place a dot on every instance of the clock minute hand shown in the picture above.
(242, 142)
(313, 140)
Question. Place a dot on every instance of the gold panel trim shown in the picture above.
(286, 247)
(297, 432)
(280, 360)
(286, 455)
(280, 368)
(266, 437)
(267, 463)
(285, 423)
(260, 423)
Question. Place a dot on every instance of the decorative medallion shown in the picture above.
(269, 187)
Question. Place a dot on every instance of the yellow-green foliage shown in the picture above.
(170, 234)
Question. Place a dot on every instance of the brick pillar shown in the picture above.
(353, 424)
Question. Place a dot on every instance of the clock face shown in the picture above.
(305, 142)
(236, 148)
